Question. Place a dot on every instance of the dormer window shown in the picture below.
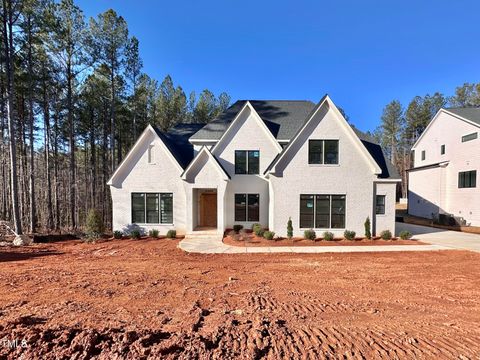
(323, 152)
(247, 162)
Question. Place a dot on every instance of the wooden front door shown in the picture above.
(208, 210)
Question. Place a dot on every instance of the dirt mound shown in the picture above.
(138, 299)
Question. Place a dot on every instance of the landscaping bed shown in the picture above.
(250, 239)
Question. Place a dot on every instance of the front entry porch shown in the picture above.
(206, 215)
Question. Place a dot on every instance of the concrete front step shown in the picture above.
(202, 232)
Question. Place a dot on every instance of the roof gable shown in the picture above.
(469, 115)
(202, 154)
(326, 104)
(174, 143)
(243, 115)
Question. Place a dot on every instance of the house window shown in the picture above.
(323, 152)
(152, 208)
(247, 207)
(380, 205)
(442, 150)
(467, 179)
(150, 154)
(247, 162)
(166, 208)
(469, 137)
(138, 208)
(322, 211)
(423, 154)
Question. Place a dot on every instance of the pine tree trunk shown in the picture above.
(46, 143)
(71, 129)
(9, 49)
(55, 172)
(33, 211)
(112, 116)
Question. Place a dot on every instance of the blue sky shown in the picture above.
(362, 53)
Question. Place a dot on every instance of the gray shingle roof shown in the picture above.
(282, 117)
(469, 113)
(176, 140)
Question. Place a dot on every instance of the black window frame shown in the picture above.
(380, 207)
(469, 137)
(322, 154)
(248, 156)
(337, 216)
(467, 179)
(244, 214)
(424, 155)
(164, 217)
(442, 149)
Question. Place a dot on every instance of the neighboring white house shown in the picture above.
(258, 162)
(443, 179)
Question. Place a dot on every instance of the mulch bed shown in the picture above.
(253, 240)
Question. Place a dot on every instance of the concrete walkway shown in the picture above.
(441, 237)
(207, 242)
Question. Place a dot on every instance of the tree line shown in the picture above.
(400, 127)
(73, 99)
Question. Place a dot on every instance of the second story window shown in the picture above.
(467, 179)
(323, 152)
(469, 137)
(423, 155)
(442, 150)
(247, 162)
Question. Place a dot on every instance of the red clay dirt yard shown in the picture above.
(146, 298)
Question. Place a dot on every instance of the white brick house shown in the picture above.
(443, 179)
(258, 162)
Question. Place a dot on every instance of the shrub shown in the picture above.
(258, 230)
(117, 234)
(368, 233)
(289, 228)
(135, 234)
(349, 235)
(153, 233)
(94, 225)
(386, 235)
(237, 228)
(405, 235)
(268, 235)
(255, 225)
(171, 234)
(309, 234)
(327, 235)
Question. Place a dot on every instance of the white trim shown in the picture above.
(193, 141)
(435, 118)
(135, 146)
(380, 180)
(259, 121)
(211, 157)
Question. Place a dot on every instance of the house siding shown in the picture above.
(246, 134)
(440, 187)
(353, 177)
(384, 221)
(140, 176)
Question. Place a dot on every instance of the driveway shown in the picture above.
(452, 239)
